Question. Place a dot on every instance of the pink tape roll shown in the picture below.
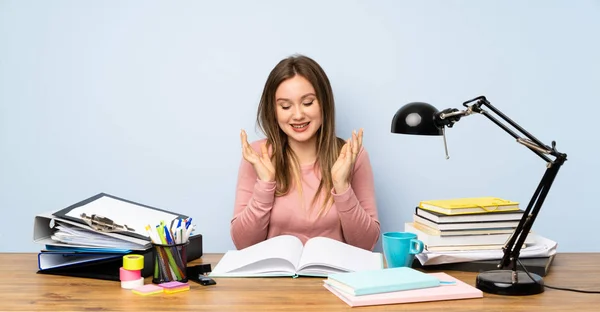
(129, 275)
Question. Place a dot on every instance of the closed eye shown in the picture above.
(308, 103)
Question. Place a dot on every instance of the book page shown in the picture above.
(276, 255)
(325, 255)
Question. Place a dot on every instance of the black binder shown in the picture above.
(108, 269)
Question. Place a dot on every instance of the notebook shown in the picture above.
(462, 240)
(457, 206)
(380, 281)
(458, 290)
(441, 218)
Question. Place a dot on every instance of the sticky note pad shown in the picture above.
(173, 287)
(148, 289)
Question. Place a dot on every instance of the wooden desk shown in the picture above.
(24, 290)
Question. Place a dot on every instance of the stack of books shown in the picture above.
(468, 234)
(480, 223)
(397, 285)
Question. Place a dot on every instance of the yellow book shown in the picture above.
(473, 205)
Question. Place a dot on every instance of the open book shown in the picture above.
(286, 256)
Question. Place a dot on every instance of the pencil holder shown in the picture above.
(170, 262)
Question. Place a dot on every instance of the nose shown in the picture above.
(298, 113)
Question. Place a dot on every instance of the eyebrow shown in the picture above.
(301, 98)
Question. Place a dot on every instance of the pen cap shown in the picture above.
(170, 263)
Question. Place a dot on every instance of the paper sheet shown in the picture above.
(543, 247)
(80, 237)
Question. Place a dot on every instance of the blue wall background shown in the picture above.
(145, 100)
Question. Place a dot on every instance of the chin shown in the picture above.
(301, 138)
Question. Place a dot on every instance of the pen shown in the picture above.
(149, 233)
(163, 228)
(168, 236)
(188, 232)
(173, 228)
(153, 237)
(170, 258)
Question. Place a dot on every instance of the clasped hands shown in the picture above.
(341, 171)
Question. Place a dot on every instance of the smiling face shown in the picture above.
(298, 110)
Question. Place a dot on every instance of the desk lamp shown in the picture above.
(424, 119)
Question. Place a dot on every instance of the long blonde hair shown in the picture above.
(328, 144)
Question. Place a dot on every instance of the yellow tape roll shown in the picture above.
(133, 262)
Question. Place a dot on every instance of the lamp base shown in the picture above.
(499, 282)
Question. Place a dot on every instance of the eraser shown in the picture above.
(148, 289)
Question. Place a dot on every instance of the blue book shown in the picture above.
(381, 281)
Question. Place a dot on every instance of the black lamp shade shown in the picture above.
(416, 118)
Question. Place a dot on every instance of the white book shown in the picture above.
(466, 225)
(475, 217)
(460, 240)
(286, 256)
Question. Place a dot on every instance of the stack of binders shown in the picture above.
(90, 238)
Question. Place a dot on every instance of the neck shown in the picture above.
(305, 151)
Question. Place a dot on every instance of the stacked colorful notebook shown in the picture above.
(397, 285)
(479, 223)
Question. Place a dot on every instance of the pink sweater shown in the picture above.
(259, 215)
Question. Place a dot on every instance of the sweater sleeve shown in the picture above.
(252, 211)
(357, 207)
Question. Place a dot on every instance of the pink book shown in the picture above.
(458, 290)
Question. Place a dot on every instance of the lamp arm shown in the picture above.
(513, 246)
(533, 143)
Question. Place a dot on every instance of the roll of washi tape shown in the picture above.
(129, 275)
(132, 284)
(133, 262)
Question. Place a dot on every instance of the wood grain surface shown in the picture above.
(24, 290)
